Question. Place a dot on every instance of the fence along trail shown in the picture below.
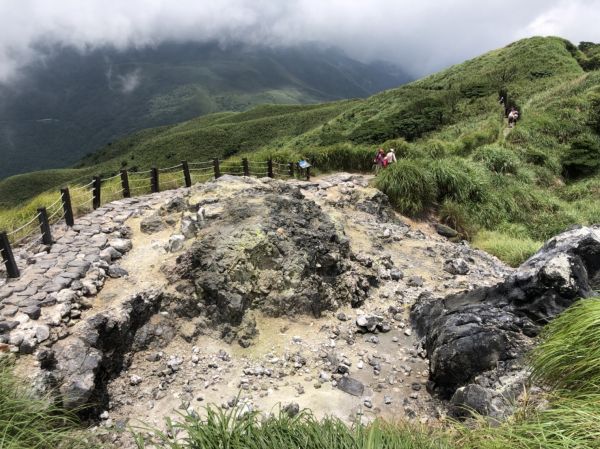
(79, 200)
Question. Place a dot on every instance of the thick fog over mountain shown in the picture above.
(420, 36)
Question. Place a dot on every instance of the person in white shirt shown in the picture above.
(390, 157)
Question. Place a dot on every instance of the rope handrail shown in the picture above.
(84, 186)
(112, 177)
(202, 169)
(54, 214)
(79, 199)
(162, 170)
(14, 231)
(22, 239)
(59, 200)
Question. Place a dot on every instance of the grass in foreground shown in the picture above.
(27, 422)
(234, 429)
(568, 356)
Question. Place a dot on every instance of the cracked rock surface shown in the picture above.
(476, 338)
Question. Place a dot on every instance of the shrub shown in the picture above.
(409, 185)
(583, 157)
(456, 179)
(497, 159)
(459, 217)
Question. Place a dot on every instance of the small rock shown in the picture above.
(456, 266)
(292, 409)
(351, 386)
(175, 243)
(152, 224)
(135, 380)
(114, 271)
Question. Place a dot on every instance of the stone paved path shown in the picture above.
(56, 281)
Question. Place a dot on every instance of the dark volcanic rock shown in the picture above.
(469, 399)
(152, 224)
(469, 333)
(84, 362)
(351, 386)
(445, 231)
(275, 251)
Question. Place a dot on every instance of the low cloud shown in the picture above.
(420, 36)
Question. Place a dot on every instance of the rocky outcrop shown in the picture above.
(272, 250)
(469, 333)
(85, 361)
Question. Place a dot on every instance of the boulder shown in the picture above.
(445, 231)
(474, 331)
(351, 386)
(121, 245)
(368, 323)
(152, 224)
(471, 399)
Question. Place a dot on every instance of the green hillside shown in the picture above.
(508, 189)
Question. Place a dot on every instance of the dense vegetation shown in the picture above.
(507, 189)
(28, 422)
(70, 103)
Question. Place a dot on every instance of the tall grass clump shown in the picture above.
(511, 249)
(568, 356)
(28, 422)
(235, 429)
(566, 422)
(458, 180)
(409, 184)
(497, 159)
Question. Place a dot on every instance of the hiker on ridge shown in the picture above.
(380, 159)
(513, 116)
(390, 157)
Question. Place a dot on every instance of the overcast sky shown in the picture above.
(419, 35)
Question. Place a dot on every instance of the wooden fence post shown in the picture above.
(291, 169)
(66, 200)
(45, 226)
(154, 187)
(245, 166)
(7, 255)
(96, 192)
(217, 168)
(125, 184)
(186, 174)
(270, 168)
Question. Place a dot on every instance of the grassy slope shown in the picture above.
(506, 189)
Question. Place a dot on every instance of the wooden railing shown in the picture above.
(76, 201)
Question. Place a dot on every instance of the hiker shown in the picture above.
(390, 157)
(513, 116)
(380, 159)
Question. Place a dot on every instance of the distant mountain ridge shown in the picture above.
(69, 103)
